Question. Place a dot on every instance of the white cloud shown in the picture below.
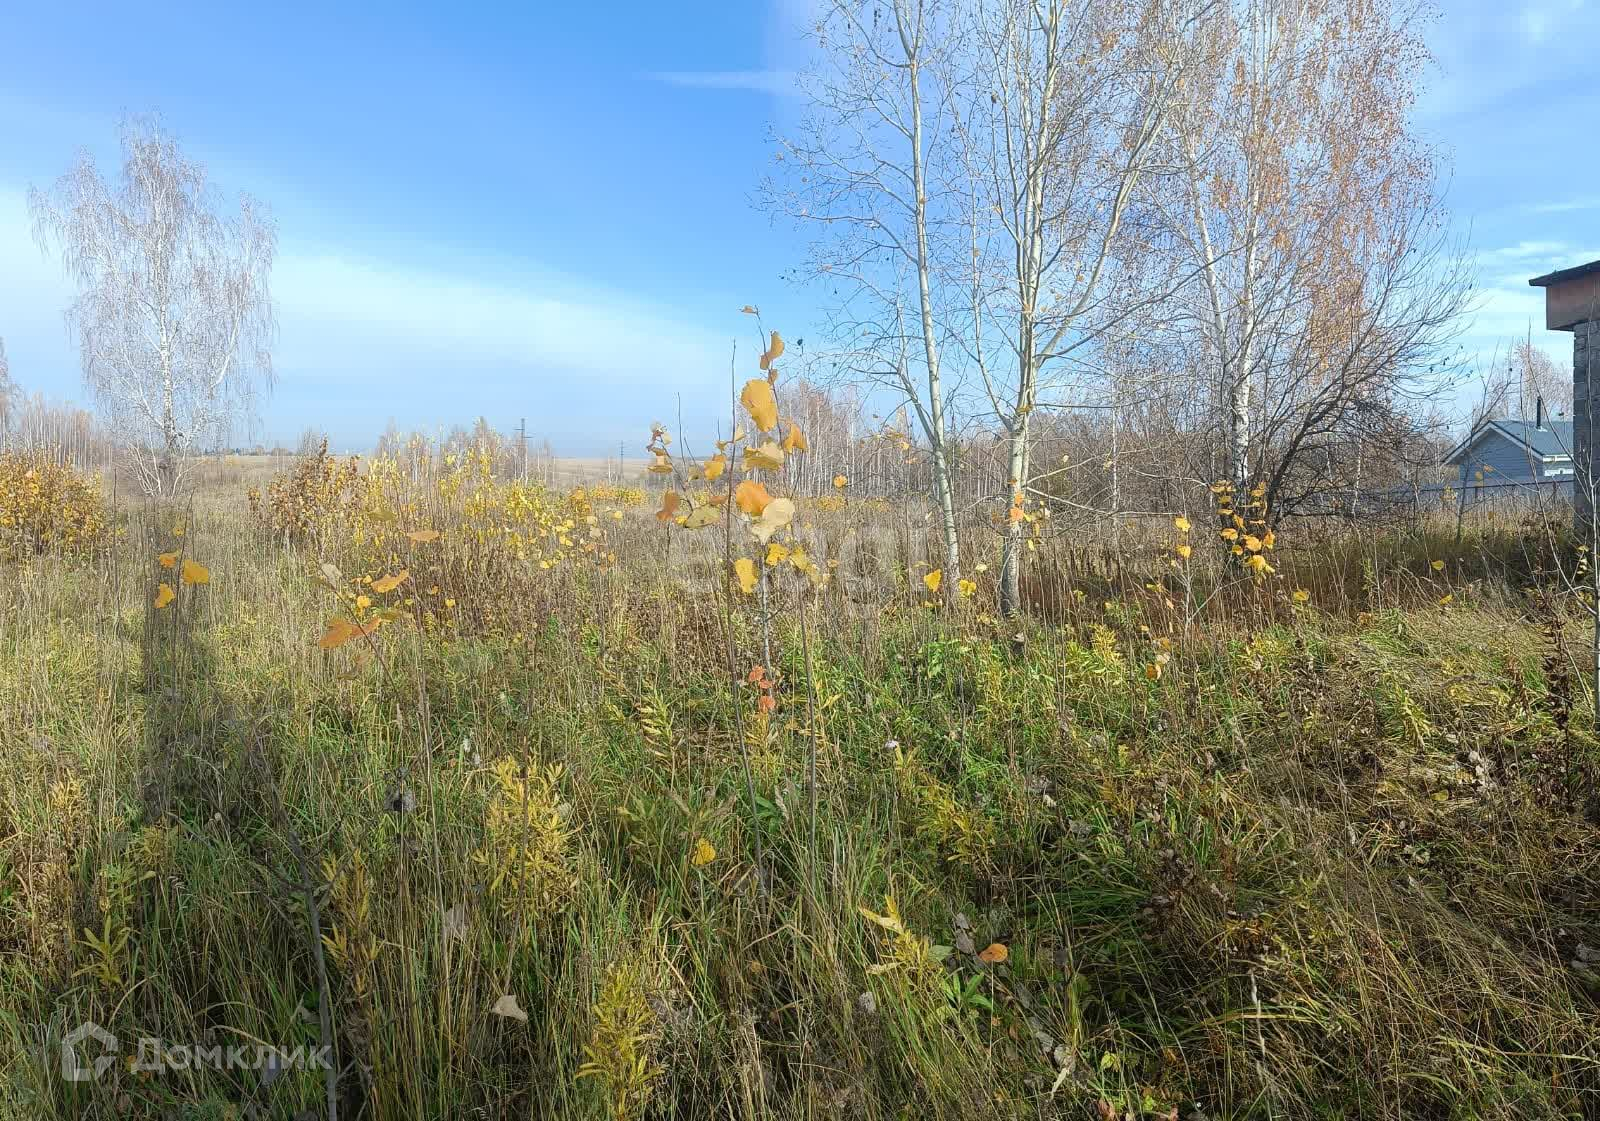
(1564, 206)
(779, 83)
(1508, 308)
(363, 339)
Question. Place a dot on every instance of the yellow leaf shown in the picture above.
(751, 497)
(840, 482)
(774, 352)
(1252, 542)
(994, 954)
(932, 580)
(800, 562)
(363, 602)
(1437, 566)
(669, 506)
(340, 631)
(777, 514)
(1230, 534)
(795, 441)
(1153, 672)
(390, 583)
(748, 310)
(700, 517)
(716, 465)
(662, 464)
(1181, 524)
(744, 568)
(195, 573)
(168, 560)
(967, 588)
(760, 403)
(767, 457)
(1183, 551)
(1302, 596)
(776, 554)
(423, 536)
(164, 594)
(704, 853)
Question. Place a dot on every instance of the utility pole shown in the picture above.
(522, 443)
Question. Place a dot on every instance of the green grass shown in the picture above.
(1338, 861)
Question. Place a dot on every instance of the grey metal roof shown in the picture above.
(1553, 440)
(1561, 275)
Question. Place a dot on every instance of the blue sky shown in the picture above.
(547, 210)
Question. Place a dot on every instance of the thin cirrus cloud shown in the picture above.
(1507, 309)
(452, 347)
(1564, 206)
(779, 83)
(361, 339)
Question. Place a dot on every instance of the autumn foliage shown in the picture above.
(47, 506)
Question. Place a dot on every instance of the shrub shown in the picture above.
(303, 499)
(47, 507)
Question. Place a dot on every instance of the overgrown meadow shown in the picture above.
(699, 799)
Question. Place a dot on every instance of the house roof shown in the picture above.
(1560, 275)
(1553, 441)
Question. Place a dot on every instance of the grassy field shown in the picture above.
(564, 824)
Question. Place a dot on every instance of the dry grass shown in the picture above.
(1337, 859)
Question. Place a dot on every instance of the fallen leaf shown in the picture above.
(994, 954)
(168, 560)
(508, 1007)
(195, 573)
(164, 594)
(704, 853)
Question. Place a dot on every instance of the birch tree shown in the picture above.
(1306, 211)
(7, 391)
(1072, 94)
(869, 169)
(173, 318)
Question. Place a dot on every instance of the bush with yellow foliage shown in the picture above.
(47, 507)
